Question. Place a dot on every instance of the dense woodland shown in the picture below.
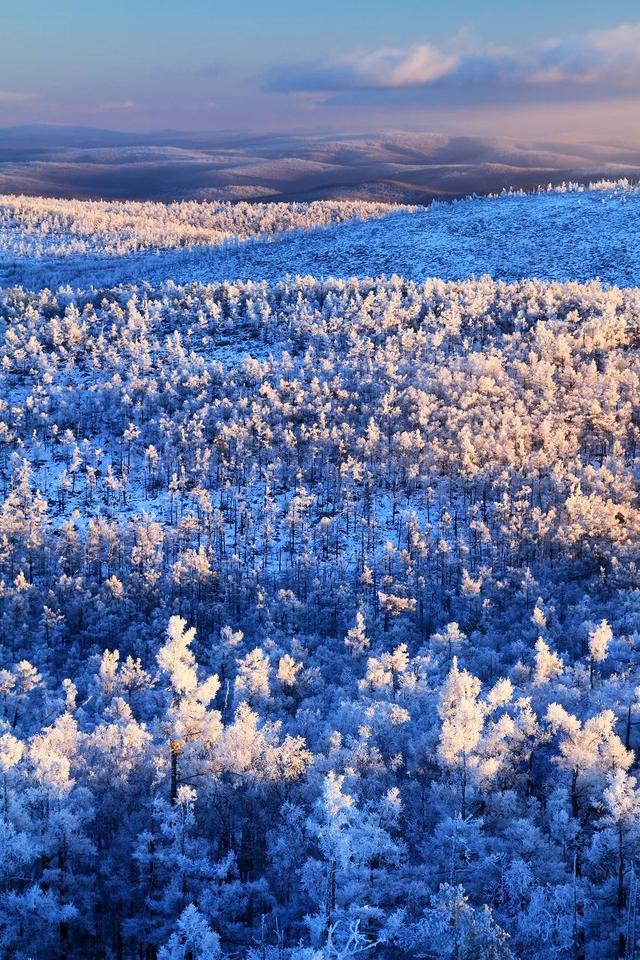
(37, 227)
(319, 621)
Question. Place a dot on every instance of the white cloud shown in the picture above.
(607, 57)
(602, 62)
(419, 64)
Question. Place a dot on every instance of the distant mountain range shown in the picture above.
(173, 165)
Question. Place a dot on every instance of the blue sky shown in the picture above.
(340, 65)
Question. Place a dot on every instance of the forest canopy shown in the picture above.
(319, 620)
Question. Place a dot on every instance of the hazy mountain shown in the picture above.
(166, 165)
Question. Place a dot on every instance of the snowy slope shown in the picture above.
(555, 236)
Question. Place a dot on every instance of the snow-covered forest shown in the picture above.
(40, 226)
(320, 609)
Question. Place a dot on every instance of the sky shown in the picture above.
(544, 68)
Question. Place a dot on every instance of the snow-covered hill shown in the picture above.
(551, 236)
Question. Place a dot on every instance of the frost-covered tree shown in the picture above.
(193, 939)
(189, 724)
